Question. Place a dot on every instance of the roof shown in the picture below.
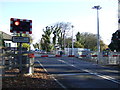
(5, 35)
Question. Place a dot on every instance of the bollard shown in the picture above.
(31, 63)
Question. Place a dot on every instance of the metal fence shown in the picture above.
(10, 60)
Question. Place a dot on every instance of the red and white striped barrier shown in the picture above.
(105, 55)
(71, 55)
(31, 55)
(81, 56)
(115, 55)
(44, 55)
(57, 55)
(94, 55)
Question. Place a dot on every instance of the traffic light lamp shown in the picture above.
(21, 26)
(17, 23)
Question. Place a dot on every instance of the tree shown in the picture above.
(56, 33)
(78, 45)
(36, 45)
(115, 42)
(68, 42)
(103, 46)
(60, 31)
(78, 37)
(89, 40)
(45, 40)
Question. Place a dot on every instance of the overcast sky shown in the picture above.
(47, 12)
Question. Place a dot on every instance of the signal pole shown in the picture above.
(20, 56)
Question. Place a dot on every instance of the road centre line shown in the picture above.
(96, 74)
(52, 76)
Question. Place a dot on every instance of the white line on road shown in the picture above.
(102, 76)
(52, 76)
(70, 74)
(67, 63)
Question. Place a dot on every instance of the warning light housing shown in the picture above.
(21, 25)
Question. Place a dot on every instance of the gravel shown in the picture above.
(39, 79)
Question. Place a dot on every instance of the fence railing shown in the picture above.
(10, 59)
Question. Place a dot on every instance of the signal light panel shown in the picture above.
(20, 26)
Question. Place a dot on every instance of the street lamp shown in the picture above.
(98, 37)
(72, 41)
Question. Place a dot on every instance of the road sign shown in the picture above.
(17, 39)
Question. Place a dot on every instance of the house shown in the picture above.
(5, 40)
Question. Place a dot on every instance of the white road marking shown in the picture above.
(99, 75)
(102, 76)
(52, 76)
(69, 74)
(67, 63)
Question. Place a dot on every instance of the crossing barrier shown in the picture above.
(83, 55)
(71, 55)
(31, 55)
(44, 55)
(111, 58)
(105, 55)
(57, 55)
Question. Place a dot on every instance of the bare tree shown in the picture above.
(60, 31)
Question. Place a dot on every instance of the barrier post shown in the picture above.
(31, 62)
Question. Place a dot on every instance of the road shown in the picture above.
(71, 72)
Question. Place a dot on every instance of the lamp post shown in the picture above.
(98, 36)
(72, 41)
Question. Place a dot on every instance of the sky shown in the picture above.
(48, 12)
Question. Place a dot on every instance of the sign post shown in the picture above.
(20, 55)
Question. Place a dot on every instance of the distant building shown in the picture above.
(77, 51)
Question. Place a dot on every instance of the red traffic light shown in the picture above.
(17, 23)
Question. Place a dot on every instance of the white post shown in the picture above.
(98, 36)
(72, 42)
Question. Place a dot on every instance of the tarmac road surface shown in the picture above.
(71, 72)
